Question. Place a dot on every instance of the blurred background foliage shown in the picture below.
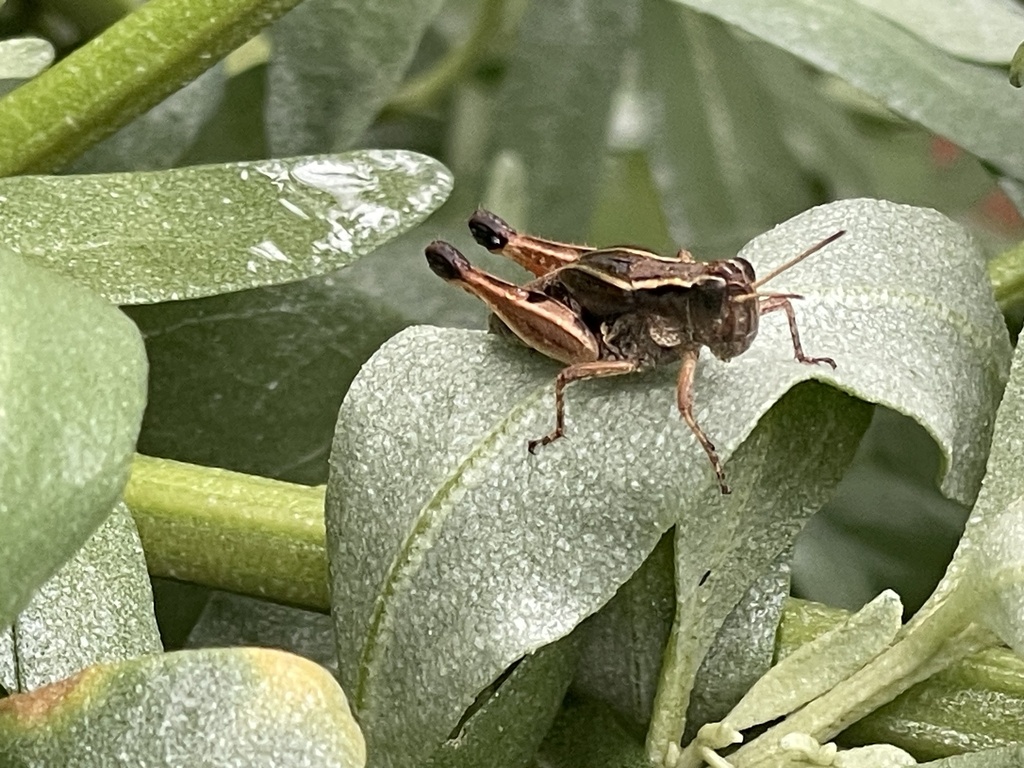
(651, 122)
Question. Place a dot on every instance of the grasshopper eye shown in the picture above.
(445, 261)
(747, 267)
(489, 230)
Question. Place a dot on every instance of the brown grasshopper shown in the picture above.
(613, 311)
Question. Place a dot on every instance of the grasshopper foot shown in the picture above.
(817, 361)
(533, 445)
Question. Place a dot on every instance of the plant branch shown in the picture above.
(419, 93)
(119, 75)
(232, 531)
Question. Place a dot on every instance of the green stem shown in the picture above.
(120, 74)
(420, 93)
(231, 531)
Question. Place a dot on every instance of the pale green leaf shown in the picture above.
(999, 757)
(985, 31)
(98, 607)
(22, 59)
(232, 620)
(189, 232)
(251, 708)
(335, 64)
(251, 381)
(555, 102)
(987, 568)
(73, 387)
(967, 103)
(717, 146)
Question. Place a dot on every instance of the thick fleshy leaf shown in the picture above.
(624, 642)
(742, 651)
(508, 719)
(189, 232)
(232, 620)
(227, 707)
(988, 565)
(251, 381)
(588, 735)
(718, 151)
(454, 552)
(999, 757)
(986, 31)
(557, 131)
(22, 59)
(97, 608)
(967, 103)
(162, 136)
(335, 64)
(73, 384)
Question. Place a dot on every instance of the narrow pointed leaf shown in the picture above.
(73, 387)
(987, 568)
(967, 103)
(335, 64)
(558, 131)
(251, 708)
(454, 552)
(189, 232)
(719, 153)
(97, 608)
(985, 31)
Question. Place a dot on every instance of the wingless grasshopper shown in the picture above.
(613, 311)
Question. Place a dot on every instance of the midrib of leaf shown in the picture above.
(428, 520)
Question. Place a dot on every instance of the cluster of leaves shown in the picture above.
(470, 586)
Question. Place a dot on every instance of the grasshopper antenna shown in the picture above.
(797, 259)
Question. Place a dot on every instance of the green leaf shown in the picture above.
(237, 707)
(335, 64)
(717, 148)
(22, 59)
(189, 232)
(1017, 66)
(985, 31)
(1000, 757)
(251, 381)
(588, 735)
(101, 86)
(98, 607)
(233, 620)
(433, 494)
(624, 642)
(987, 568)
(557, 130)
(73, 384)
(508, 719)
(967, 103)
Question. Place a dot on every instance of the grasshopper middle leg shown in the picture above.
(595, 369)
(684, 398)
